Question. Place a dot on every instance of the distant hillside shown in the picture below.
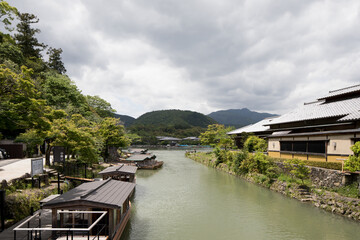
(127, 120)
(170, 123)
(238, 117)
(174, 117)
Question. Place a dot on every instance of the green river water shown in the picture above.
(187, 200)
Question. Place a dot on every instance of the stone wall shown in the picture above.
(328, 178)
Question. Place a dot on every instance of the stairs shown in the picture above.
(305, 195)
(54, 173)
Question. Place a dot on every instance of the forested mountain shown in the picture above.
(125, 119)
(174, 117)
(39, 103)
(238, 117)
(175, 123)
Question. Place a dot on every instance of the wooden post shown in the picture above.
(58, 175)
(2, 209)
(54, 221)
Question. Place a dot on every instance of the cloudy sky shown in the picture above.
(144, 55)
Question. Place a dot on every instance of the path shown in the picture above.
(14, 168)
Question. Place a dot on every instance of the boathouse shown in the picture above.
(109, 196)
(120, 172)
(322, 130)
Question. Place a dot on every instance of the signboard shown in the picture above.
(59, 154)
(37, 166)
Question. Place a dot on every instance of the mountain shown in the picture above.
(170, 123)
(174, 117)
(125, 119)
(238, 117)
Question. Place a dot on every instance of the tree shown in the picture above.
(353, 162)
(55, 62)
(20, 105)
(100, 106)
(33, 139)
(78, 136)
(6, 14)
(25, 37)
(215, 135)
(112, 134)
(255, 144)
(61, 93)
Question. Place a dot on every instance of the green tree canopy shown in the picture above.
(55, 61)
(216, 135)
(25, 38)
(77, 135)
(255, 144)
(20, 105)
(100, 106)
(7, 13)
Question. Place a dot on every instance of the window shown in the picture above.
(316, 147)
(303, 146)
(299, 146)
(285, 146)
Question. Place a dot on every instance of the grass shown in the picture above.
(348, 191)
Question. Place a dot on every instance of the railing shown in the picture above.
(34, 233)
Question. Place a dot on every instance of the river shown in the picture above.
(187, 200)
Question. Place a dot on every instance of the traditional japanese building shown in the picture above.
(323, 130)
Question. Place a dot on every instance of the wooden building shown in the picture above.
(120, 172)
(323, 130)
(110, 196)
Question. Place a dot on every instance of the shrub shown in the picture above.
(258, 163)
(238, 159)
(255, 144)
(353, 163)
(297, 169)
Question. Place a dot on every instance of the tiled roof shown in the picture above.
(256, 127)
(345, 109)
(110, 193)
(341, 91)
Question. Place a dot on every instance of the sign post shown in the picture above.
(37, 166)
(59, 154)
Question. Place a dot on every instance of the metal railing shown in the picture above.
(35, 233)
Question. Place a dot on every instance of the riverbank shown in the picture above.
(319, 197)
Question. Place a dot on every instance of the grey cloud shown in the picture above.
(228, 54)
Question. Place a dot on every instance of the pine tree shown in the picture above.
(25, 37)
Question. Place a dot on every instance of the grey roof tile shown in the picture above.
(256, 127)
(109, 193)
(321, 109)
(341, 91)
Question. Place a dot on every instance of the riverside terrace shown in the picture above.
(98, 209)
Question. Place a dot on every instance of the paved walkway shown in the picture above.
(15, 168)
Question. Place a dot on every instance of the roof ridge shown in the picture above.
(92, 190)
(332, 91)
(121, 165)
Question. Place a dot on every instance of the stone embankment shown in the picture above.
(317, 195)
